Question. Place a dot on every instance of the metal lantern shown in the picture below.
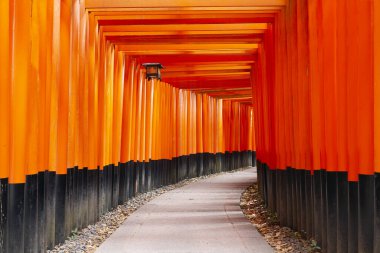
(153, 70)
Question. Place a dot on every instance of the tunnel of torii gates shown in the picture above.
(292, 83)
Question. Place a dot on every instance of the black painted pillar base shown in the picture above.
(60, 197)
(366, 213)
(282, 201)
(79, 202)
(309, 210)
(92, 183)
(122, 184)
(376, 245)
(4, 211)
(115, 184)
(50, 201)
(15, 222)
(254, 161)
(353, 218)
(331, 204)
(74, 200)
(227, 161)
(205, 164)
(324, 209)
(145, 176)
(41, 214)
(317, 206)
(173, 170)
(342, 210)
(68, 195)
(149, 175)
(218, 162)
(30, 214)
(192, 166)
(154, 174)
(128, 179)
(107, 174)
(182, 168)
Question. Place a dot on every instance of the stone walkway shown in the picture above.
(200, 217)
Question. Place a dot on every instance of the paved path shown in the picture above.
(200, 217)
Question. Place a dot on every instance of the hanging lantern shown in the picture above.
(153, 70)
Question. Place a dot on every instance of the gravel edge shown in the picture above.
(282, 239)
(89, 239)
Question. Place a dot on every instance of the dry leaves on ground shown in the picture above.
(282, 239)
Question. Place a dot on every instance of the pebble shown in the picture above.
(89, 238)
(282, 239)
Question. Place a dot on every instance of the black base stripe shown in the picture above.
(341, 216)
(44, 211)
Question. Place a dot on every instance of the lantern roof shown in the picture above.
(152, 64)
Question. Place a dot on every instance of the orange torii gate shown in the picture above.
(316, 105)
(83, 130)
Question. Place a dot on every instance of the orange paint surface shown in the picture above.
(290, 82)
(21, 23)
(5, 77)
(376, 47)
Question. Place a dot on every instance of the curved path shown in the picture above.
(204, 216)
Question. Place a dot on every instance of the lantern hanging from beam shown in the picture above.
(153, 70)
